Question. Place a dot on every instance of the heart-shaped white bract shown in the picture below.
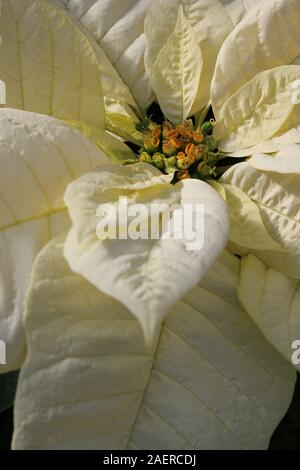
(147, 275)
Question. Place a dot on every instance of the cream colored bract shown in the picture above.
(39, 157)
(207, 382)
(163, 269)
(143, 344)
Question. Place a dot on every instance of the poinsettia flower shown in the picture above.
(73, 81)
(87, 298)
(146, 275)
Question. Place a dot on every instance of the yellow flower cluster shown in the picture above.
(183, 150)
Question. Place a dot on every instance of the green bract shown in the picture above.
(129, 344)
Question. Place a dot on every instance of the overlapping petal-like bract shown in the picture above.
(51, 67)
(210, 381)
(277, 199)
(209, 24)
(258, 110)
(177, 70)
(267, 37)
(252, 77)
(206, 377)
(39, 157)
(246, 224)
(285, 162)
(118, 27)
(273, 302)
(147, 275)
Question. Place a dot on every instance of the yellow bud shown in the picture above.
(151, 144)
(156, 133)
(184, 161)
(183, 175)
(184, 131)
(167, 127)
(190, 149)
(170, 147)
(145, 157)
(197, 137)
(200, 152)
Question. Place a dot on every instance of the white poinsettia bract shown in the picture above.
(141, 343)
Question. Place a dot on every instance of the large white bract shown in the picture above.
(141, 344)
